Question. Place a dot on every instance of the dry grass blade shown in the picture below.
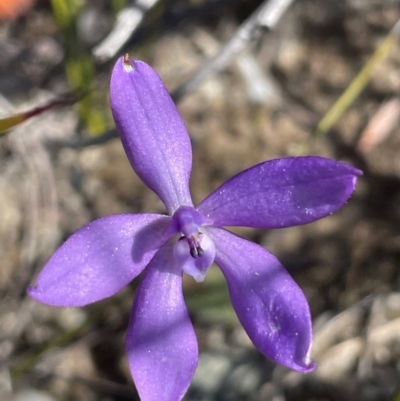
(7, 123)
(265, 17)
(359, 82)
(128, 20)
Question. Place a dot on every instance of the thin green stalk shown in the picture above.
(359, 82)
(78, 64)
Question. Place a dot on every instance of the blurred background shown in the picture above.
(322, 77)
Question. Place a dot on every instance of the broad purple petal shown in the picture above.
(281, 193)
(99, 259)
(153, 134)
(271, 307)
(161, 343)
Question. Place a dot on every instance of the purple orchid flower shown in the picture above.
(105, 255)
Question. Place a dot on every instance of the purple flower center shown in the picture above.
(194, 251)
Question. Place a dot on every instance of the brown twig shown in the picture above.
(263, 19)
(128, 20)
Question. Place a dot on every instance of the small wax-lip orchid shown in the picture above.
(105, 255)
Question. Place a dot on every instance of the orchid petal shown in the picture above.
(99, 259)
(271, 307)
(281, 193)
(161, 343)
(152, 132)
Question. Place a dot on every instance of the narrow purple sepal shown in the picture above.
(271, 307)
(99, 259)
(281, 193)
(152, 132)
(161, 343)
